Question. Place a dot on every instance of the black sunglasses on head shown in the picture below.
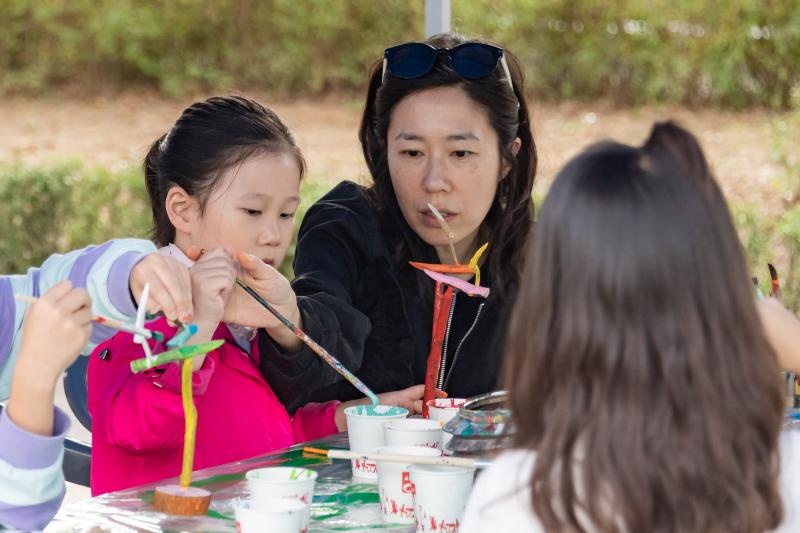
(470, 60)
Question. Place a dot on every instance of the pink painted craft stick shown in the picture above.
(459, 284)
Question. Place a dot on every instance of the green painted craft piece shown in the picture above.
(178, 354)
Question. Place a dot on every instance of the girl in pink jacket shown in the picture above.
(225, 179)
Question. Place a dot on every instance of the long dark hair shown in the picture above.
(209, 138)
(646, 365)
(510, 218)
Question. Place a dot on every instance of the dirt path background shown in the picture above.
(110, 131)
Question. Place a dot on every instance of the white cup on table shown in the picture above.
(365, 433)
(266, 484)
(440, 496)
(394, 484)
(276, 515)
(413, 432)
(443, 409)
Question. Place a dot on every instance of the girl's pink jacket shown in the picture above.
(137, 419)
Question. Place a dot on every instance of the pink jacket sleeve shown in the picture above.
(143, 412)
(314, 421)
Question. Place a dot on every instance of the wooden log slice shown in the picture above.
(173, 499)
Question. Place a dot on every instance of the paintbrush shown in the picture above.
(463, 462)
(109, 322)
(776, 285)
(446, 228)
(316, 348)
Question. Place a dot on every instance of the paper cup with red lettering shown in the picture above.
(283, 482)
(443, 409)
(440, 496)
(413, 432)
(278, 515)
(365, 433)
(394, 485)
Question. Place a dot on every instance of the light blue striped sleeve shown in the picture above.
(31, 481)
(103, 270)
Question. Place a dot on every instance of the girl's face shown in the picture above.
(443, 150)
(252, 209)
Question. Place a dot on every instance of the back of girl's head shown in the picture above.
(209, 138)
(510, 216)
(635, 345)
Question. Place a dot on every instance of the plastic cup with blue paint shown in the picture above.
(365, 433)
(283, 482)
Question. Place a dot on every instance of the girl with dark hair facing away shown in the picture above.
(646, 394)
(445, 123)
(224, 184)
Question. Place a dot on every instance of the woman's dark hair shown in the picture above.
(637, 365)
(209, 138)
(511, 215)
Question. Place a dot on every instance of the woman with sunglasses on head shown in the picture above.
(445, 123)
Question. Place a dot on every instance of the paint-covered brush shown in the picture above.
(108, 322)
(447, 230)
(776, 284)
(462, 462)
(311, 343)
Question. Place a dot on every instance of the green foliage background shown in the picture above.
(61, 207)
(734, 54)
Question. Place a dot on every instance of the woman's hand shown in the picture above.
(410, 398)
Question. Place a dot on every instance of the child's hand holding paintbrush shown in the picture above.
(244, 310)
(57, 326)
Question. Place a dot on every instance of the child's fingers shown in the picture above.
(194, 252)
(218, 281)
(75, 300)
(83, 317)
(177, 284)
(216, 254)
(58, 291)
(255, 268)
(161, 300)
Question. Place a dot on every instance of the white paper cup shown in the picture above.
(276, 515)
(394, 484)
(295, 483)
(365, 433)
(440, 496)
(413, 432)
(443, 409)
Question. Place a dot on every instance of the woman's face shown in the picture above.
(443, 150)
